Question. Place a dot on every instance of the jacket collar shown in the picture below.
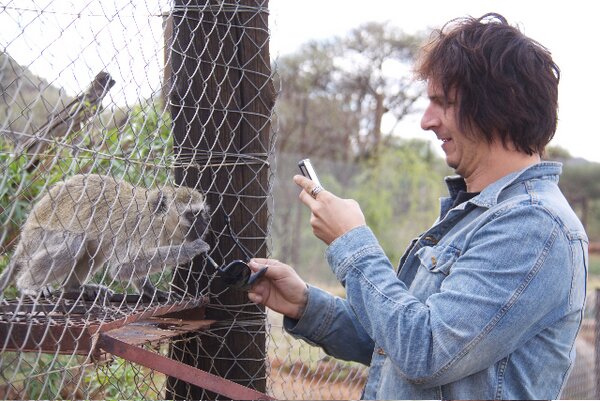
(489, 196)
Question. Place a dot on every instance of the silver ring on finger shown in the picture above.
(315, 191)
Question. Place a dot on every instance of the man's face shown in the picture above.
(463, 152)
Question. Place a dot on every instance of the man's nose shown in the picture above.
(430, 119)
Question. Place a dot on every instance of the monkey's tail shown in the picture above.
(8, 275)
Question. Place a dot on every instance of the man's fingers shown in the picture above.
(275, 270)
(307, 199)
(253, 297)
(305, 183)
(257, 264)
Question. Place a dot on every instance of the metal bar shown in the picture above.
(179, 370)
(55, 328)
(154, 311)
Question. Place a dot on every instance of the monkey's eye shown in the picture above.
(193, 215)
(189, 216)
(196, 222)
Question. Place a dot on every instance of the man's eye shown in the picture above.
(438, 101)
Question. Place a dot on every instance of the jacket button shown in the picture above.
(380, 351)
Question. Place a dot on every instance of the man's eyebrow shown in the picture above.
(441, 99)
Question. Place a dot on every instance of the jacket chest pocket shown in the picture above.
(435, 264)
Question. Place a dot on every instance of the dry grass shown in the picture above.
(300, 382)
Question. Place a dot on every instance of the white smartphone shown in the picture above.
(308, 171)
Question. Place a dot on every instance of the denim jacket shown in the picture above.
(486, 304)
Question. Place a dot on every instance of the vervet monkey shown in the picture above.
(90, 221)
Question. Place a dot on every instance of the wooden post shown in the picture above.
(222, 98)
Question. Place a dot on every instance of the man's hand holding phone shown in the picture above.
(331, 216)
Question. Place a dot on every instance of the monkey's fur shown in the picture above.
(89, 221)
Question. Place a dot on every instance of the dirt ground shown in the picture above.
(299, 383)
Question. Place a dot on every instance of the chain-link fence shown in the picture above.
(135, 150)
(110, 113)
(583, 382)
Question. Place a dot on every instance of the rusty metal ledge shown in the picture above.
(156, 329)
(72, 327)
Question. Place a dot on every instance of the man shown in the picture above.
(487, 303)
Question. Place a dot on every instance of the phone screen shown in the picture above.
(308, 171)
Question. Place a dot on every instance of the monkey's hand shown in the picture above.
(46, 292)
(169, 255)
(185, 252)
(193, 248)
(93, 292)
(162, 296)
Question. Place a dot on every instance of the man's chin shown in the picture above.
(453, 165)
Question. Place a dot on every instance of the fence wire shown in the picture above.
(135, 148)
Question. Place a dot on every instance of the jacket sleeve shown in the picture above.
(329, 322)
(500, 291)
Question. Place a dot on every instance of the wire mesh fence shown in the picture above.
(136, 151)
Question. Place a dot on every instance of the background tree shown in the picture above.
(312, 117)
(376, 80)
(335, 93)
(579, 182)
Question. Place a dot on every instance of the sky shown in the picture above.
(567, 28)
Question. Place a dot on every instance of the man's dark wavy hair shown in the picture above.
(506, 83)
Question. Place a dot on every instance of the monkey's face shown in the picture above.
(194, 214)
(197, 221)
(191, 213)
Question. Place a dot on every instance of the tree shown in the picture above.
(556, 153)
(580, 185)
(376, 79)
(579, 182)
(334, 94)
(399, 192)
(312, 118)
